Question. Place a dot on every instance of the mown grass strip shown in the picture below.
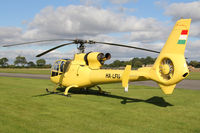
(25, 70)
(26, 107)
(194, 76)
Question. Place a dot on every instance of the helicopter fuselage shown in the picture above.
(84, 72)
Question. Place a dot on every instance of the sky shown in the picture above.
(138, 23)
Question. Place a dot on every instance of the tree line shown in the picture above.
(136, 62)
(195, 64)
(139, 62)
(21, 62)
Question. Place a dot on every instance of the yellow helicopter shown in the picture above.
(85, 69)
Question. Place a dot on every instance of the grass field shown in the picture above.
(26, 107)
(192, 75)
(25, 70)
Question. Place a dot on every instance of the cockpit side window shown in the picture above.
(55, 69)
(66, 66)
(62, 66)
(56, 66)
(59, 67)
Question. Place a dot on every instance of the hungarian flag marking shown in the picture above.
(183, 37)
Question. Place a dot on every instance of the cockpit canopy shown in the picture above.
(59, 67)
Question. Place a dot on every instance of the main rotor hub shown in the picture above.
(81, 46)
(80, 41)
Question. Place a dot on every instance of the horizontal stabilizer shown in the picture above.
(125, 77)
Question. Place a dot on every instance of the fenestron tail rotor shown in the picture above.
(166, 69)
(81, 45)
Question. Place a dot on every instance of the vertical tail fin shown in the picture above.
(178, 38)
(170, 67)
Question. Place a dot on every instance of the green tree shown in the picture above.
(149, 60)
(20, 60)
(3, 62)
(41, 62)
(194, 63)
(138, 64)
(116, 63)
(134, 60)
(31, 64)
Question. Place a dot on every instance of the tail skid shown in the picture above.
(167, 89)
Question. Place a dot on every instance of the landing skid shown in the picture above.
(101, 91)
(53, 92)
(87, 91)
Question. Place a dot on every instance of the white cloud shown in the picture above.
(79, 21)
(95, 3)
(73, 21)
(9, 34)
(30, 54)
(122, 1)
(123, 9)
(83, 21)
(150, 36)
(192, 50)
(185, 10)
(194, 30)
(12, 54)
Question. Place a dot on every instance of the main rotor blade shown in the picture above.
(52, 40)
(120, 45)
(45, 52)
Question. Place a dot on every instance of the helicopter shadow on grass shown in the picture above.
(155, 100)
